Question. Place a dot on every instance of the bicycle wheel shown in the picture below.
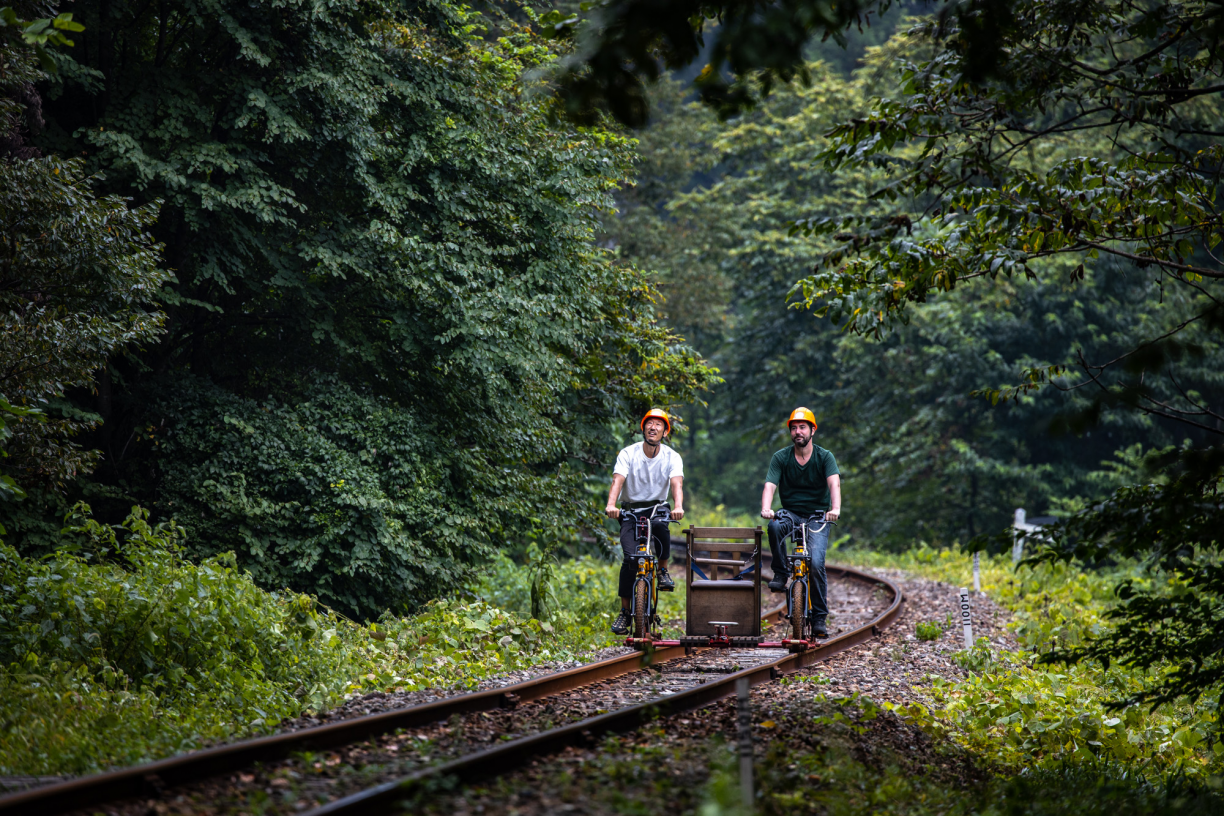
(800, 630)
(641, 608)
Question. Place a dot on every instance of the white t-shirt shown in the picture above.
(647, 479)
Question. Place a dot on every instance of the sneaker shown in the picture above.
(819, 629)
(620, 626)
(778, 582)
(666, 584)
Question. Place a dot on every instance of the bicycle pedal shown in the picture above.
(671, 588)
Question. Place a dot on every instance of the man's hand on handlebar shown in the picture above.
(832, 515)
(767, 514)
(613, 511)
(677, 514)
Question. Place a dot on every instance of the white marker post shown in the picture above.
(966, 617)
(1020, 528)
(977, 572)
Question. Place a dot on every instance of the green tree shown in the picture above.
(1142, 84)
(78, 277)
(1069, 140)
(368, 223)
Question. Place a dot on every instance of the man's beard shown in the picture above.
(801, 441)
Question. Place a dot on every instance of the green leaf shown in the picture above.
(64, 22)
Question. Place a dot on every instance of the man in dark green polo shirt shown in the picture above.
(809, 484)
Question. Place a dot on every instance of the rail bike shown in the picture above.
(722, 594)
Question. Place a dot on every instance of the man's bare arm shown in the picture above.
(618, 481)
(677, 488)
(767, 500)
(834, 498)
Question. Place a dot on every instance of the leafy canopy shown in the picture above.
(1038, 147)
(78, 274)
(989, 196)
(382, 254)
(621, 45)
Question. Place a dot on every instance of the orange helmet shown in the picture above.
(656, 413)
(801, 415)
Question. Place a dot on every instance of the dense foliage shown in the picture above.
(78, 276)
(118, 650)
(1039, 237)
(1020, 712)
(383, 263)
(1172, 523)
(927, 459)
(76, 286)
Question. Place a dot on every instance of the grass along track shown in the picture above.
(765, 665)
(360, 763)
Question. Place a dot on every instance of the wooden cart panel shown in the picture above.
(723, 553)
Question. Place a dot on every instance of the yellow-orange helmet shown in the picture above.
(801, 415)
(656, 413)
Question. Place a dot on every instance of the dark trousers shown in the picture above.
(817, 543)
(628, 539)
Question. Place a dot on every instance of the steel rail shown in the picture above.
(385, 798)
(151, 779)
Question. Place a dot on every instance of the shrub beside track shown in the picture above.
(151, 780)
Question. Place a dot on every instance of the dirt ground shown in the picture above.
(896, 665)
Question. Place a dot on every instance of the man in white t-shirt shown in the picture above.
(648, 471)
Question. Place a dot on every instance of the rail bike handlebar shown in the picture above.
(641, 513)
(796, 530)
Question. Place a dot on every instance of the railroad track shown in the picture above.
(485, 729)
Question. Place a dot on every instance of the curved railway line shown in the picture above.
(615, 695)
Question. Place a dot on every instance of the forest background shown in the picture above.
(925, 454)
(338, 294)
(209, 411)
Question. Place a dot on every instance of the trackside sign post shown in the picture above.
(744, 720)
(966, 617)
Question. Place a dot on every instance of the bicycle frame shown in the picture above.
(800, 569)
(647, 559)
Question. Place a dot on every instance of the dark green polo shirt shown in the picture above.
(803, 490)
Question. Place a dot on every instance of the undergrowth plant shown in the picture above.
(115, 649)
(929, 630)
(1021, 712)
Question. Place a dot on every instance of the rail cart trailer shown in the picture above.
(722, 593)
